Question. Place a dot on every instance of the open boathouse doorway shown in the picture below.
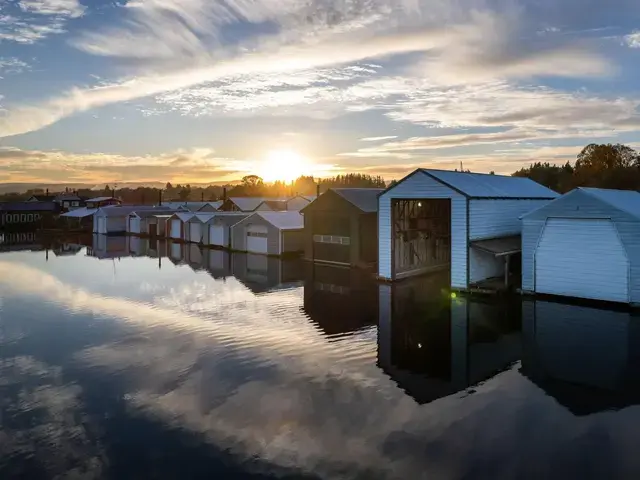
(422, 235)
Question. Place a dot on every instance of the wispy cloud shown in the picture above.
(378, 139)
(28, 21)
(12, 65)
(184, 49)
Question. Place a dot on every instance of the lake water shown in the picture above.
(127, 359)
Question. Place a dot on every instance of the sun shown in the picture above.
(284, 165)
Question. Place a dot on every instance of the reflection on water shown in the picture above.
(130, 358)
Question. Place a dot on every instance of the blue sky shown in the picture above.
(100, 91)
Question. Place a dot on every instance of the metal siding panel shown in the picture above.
(497, 218)
(582, 258)
(531, 231)
(418, 186)
(630, 235)
(273, 239)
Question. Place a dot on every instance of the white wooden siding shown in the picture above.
(422, 186)
(491, 218)
(582, 258)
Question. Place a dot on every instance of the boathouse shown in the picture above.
(176, 225)
(26, 215)
(195, 226)
(271, 233)
(157, 225)
(585, 244)
(115, 218)
(466, 222)
(217, 230)
(138, 221)
(340, 227)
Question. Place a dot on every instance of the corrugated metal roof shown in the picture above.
(125, 210)
(184, 216)
(152, 212)
(203, 217)
(288, 220)
(80, 213)
(625, 200)
(248, 204)
(366, 199)
(482, 185)
(101, 199)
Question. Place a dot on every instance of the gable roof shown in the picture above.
(625, 200)
(365, 199)
(43, 198)
(483, 185)
(151, 212)
(288, 220)
(80, 213)
(248, 204)
(125, 210)
(183, 216)
(202, 217)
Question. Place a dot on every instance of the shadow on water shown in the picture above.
(196, 363)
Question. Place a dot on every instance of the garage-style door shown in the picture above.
(195, 232)
(582, 258)
(175, 229)
(216, 235)
(134, 225)
(257, 239)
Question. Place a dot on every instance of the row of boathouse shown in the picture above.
(482, 228)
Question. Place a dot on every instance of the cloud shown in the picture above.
(633, 39)
(183, 166)
(12, 65)
(378, 139)
(28, 21)
(190, 61)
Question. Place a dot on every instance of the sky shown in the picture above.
(107, 91)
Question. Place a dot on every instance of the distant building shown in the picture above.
(23, 215)
(98, 202)
(67, 201)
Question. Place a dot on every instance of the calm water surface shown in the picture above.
(129, 359)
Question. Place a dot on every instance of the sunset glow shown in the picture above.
(284, 165)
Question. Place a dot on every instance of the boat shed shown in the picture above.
(341, 227)
(176, 225)
(585, 244)
(465, 222)
(137, 223)
(217, 230)
(115, 218)
(271, 233)
(195, 226)
(157, 225)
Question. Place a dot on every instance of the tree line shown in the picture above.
(250, 185)
(614, 166)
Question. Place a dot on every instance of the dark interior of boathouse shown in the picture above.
(422, 235)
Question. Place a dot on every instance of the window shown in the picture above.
(75, 204)
(36, 216)
(257, 234)
(30, 217)
(335, 239)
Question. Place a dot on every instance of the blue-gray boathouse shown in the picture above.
(585, 244)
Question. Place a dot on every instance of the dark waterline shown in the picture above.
(130, 359)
